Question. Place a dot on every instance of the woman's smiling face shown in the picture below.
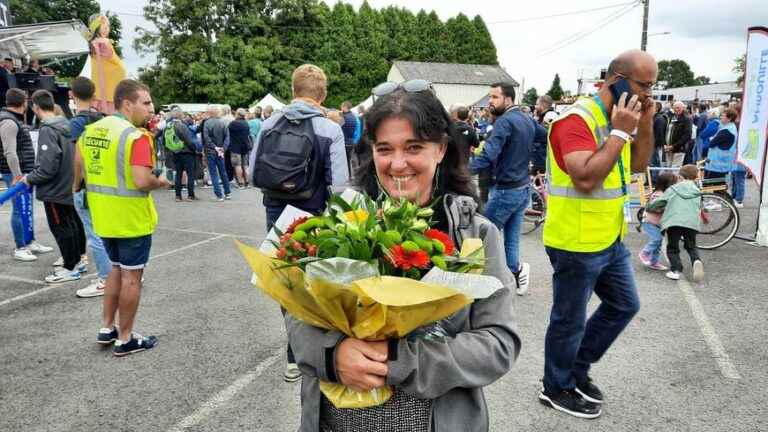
(405, 164)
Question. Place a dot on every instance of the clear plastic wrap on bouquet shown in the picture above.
(351, 297)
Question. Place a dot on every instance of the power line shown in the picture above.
(579, 12)
(587, 31)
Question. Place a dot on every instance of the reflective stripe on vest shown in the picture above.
(118, 209)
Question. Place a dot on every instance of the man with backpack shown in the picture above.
(82, 91)
(298, 155)
(178, 139)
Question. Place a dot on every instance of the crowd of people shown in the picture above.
(94, 173)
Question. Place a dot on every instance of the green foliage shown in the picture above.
(556, 92)
(237, 51)
(740, 67)
(530, 97)
(37, 11)
(675, 73)
(701, 80)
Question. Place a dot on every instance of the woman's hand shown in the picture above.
(361, 365)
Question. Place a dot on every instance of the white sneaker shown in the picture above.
(95, 289)
(523, 278)
(36, 247)
(24, 254)
(292, 373)
(673, 275)
(738, 204)
(698, 271)
(63, 275)
(82, 266)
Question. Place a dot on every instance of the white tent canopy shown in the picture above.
(269, 99)
(44, 41)
(365, 104)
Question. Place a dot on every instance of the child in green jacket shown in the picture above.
(682, 219)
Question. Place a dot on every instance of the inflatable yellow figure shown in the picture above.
(107, 70)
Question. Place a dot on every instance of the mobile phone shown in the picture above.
(619, 87)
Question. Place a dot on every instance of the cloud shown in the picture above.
(708, 19)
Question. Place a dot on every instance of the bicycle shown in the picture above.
(536, 211)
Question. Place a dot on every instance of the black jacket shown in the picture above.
(680, 136)
(239, 137)
(660, 122)
(468, 138)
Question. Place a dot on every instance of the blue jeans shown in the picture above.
(506, 208)
(739, 180)
(16, 223)
(218, 172)
(103, 265)
(653, 247)
(573, 343)
(273, 213)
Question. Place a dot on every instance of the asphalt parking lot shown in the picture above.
(694, 359)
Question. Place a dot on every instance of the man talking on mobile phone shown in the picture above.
(593, 149)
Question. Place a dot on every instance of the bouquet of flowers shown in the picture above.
(372, 271)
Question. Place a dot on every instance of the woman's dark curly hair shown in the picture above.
(430, 122)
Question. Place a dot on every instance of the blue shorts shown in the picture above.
(128, 253)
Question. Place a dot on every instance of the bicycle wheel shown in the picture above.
(719, 221)
(535, 212)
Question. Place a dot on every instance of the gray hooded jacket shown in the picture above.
(54, 170)
(481, 346)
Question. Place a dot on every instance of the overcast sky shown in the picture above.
(705, 33)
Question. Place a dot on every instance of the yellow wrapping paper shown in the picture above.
(373, 308)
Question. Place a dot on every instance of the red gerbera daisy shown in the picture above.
(407, 260)
(442, 238)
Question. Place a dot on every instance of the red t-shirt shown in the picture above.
(569, 135)
(141, 154)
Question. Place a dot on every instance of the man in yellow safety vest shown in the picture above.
(593, 149)
(116, 158)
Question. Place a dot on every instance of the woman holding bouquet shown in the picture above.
(412, 152)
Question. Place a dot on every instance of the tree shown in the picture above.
(675, 73)
(556, 92)
(530, 97)
(485, 50)
(37, 11)
(702, 80)
(740, 67)
(236, 51)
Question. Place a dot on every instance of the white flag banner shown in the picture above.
(754, 115)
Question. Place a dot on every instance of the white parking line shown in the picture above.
(50, 287)
(710, 336)
(189, 246)
(191, 231)
(21, 279)
(225, 395)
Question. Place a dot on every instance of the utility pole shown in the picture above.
(644, 39)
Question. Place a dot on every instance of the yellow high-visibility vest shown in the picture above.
(586, 222)
(118, 208)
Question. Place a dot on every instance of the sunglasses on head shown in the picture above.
(412, 86)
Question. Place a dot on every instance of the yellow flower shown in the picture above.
(356, 216)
